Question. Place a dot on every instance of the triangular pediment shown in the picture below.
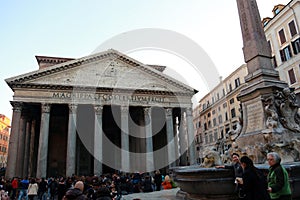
(109, 69)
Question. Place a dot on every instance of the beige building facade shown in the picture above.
(218, 112)
(4, 138)
(98, 114)
(282, 33)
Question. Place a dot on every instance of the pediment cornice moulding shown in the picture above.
(12, 82)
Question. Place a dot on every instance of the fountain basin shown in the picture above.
(204, 183)
(197, 183)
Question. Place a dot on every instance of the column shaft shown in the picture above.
(32, 160)
(43, 142)
(26, 150)
(13, 141)
(21, 146)
(149, 142)
(125, 139)
(170, 138)
(98, 138)
(182, 141)
(191, 136)
(71, 144)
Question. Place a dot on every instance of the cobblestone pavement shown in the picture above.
(159, 195)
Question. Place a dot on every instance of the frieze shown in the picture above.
(106, 97)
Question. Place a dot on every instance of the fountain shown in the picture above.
(270, 122)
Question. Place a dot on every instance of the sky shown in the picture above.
(74, 29)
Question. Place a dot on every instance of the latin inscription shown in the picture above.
(106, 97)
(255, 117)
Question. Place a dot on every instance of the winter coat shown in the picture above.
(73, 194)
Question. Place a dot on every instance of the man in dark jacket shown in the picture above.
(157, 180)
(76, 192)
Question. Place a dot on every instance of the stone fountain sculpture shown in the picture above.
(270, 121)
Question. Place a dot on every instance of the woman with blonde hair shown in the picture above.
(167, 183)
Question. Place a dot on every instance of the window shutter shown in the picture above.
(282, 56)
(282, 36)
(292, 28)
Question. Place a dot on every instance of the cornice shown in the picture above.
(99, 89)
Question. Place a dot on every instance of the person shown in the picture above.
(236, 165)
(157, 180)
(76, 192)
(238, 170)
(43, 189)
(32, 189)
(147, 184)
(167, 183)
(278, 180)
(254, 184)
(15, 185)
(23, 189)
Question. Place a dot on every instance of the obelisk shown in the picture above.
(262, 79)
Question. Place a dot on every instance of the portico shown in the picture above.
(95, 114)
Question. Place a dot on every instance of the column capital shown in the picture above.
(189, 111)
(46, 107)
(72, 108)
(17, 106)
(168, 111)
(98, 109)
(147, 110)
(124, 109)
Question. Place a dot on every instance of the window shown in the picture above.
(292, 28)
(276, 11)
(223, 92)
(237, 82)
(269, 43)
(206, 139)
(231, 101)
(213, 100)
(205, 126)
(210, 138)
(226, 116)
(230, 87)
(209, 124)
(282, 36)
(222, 133)
(285, 53)
(214, 112)
(224, 105)
(208, 115)
(292, 76)
(218, 96)
(233, 113)
(198, 148)
(274, 63)
(214, 122)
(220, 119)
(216, 135)
(296, 46)
(227, 129)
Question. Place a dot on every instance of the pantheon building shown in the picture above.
(97, 114)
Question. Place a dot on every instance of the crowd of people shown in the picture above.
(252, 184)
(104, 187)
